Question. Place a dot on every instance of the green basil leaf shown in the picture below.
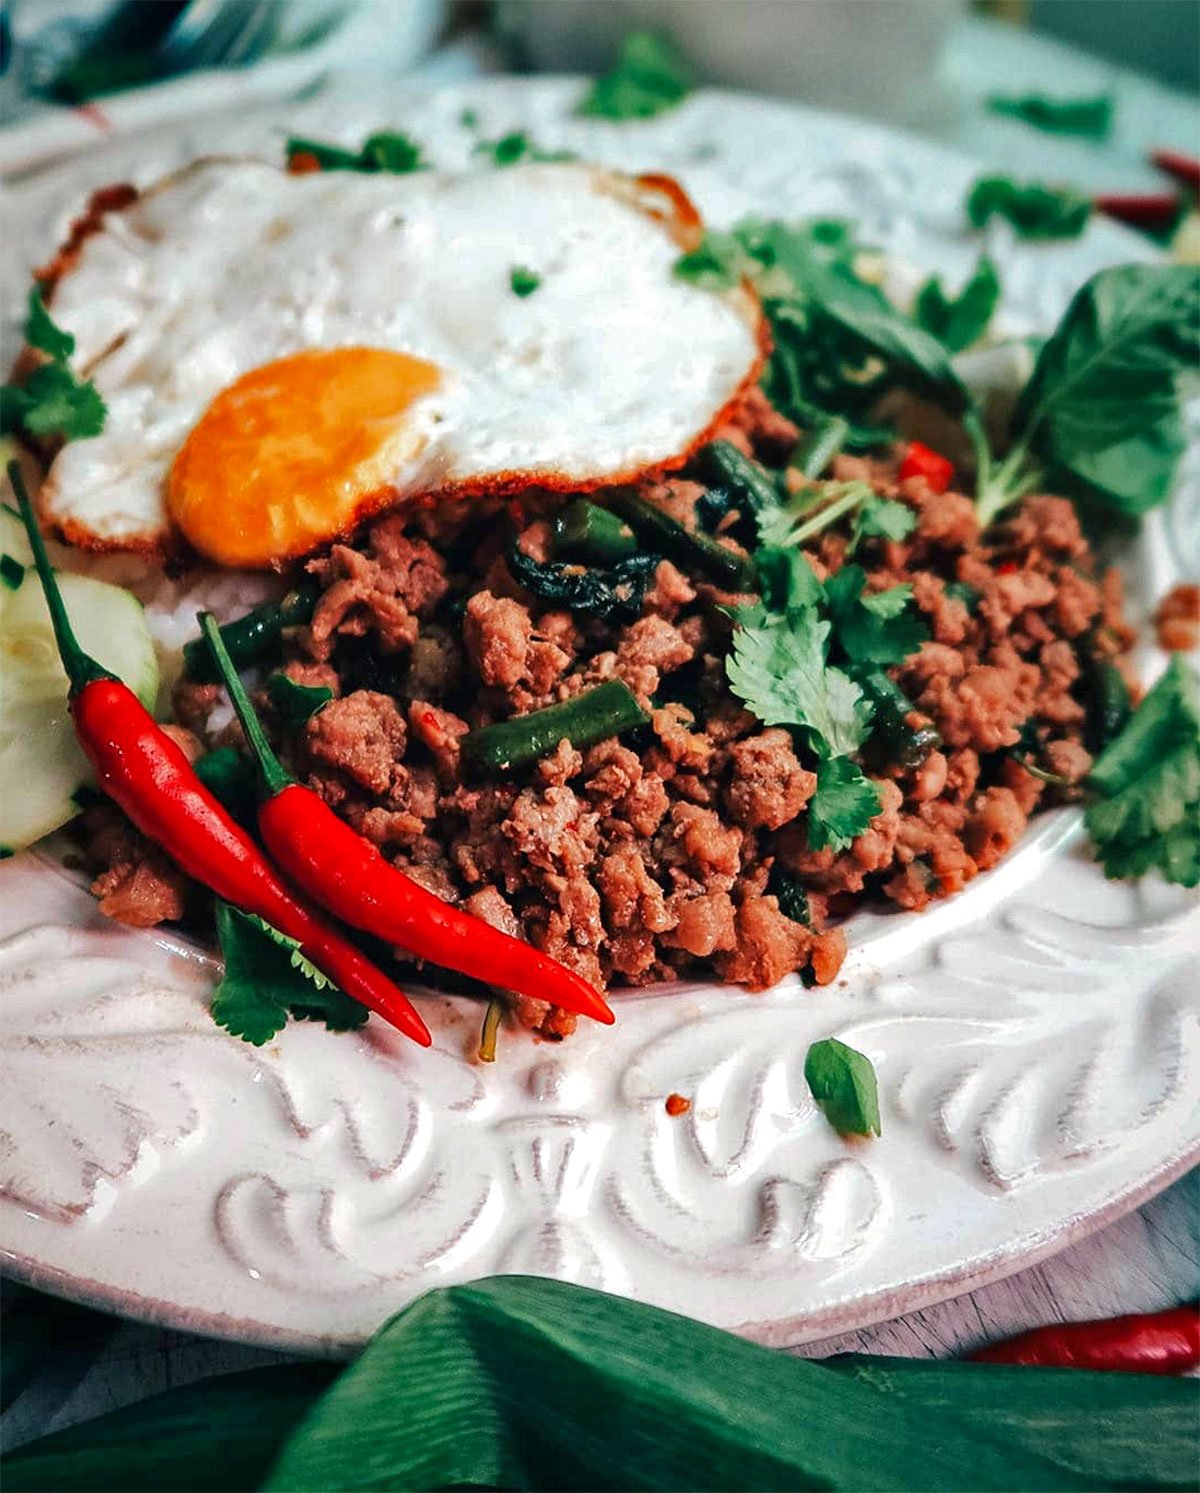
(1034, 210)
(296, 703)
(843, 1084)
(649, 77)
(1089, 118)
(958, 321)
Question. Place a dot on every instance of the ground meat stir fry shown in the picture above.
(664, 853)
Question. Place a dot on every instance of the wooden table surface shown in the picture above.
(1148, 1260)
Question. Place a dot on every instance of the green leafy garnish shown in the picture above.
(881, 518)
(1089, 118)
(843, 1084)
(883, 628)
(779, 669)
(12, 572)
(649, 77)
(1101, 418)
(1148, 778)
(296, 703)
(1034, 210)
(51, 401)
(42, 333)
(511, 149)
(524, 282)
(958, 321)
(384, 151)
(839, 343)
(267, 979)
(843, 806)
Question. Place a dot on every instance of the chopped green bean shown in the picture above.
(590, 534)
(254, 638)
(1107, 702)
(906, 740)
(750, 486)
(693, 553)
(592, 716)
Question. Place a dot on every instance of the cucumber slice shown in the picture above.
(41, 764)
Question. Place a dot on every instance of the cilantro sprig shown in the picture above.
(267, 979)
(51, 401)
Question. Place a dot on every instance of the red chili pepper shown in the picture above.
(343, 872)
(1153, 1343)
(1185, 169)
(1150, 210)
(147, 774)
(920, 461)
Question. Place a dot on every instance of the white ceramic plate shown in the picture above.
(1036, 1038)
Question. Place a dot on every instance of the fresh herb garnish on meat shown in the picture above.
(1101, 418)
(843, 806)
(296, 703)
(879, 628)
(515, 147)
(812, 510)
(267, 979)
(958, 321)
(1148, 778)
(1034, 210)
(51, 401)
(844, 1087)
(384, 151)
(649, 77)
(523, 282)
(779, 668)
(1088, 118)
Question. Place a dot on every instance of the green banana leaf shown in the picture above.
(531, 1384)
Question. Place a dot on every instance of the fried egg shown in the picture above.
(283, 355)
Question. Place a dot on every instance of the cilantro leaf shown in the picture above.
(267, 978)
(1148, 779)
(1089, 118)
(843, 806)
(510, 149)
(778, 669)
(881, 518)
(296, 703)
(787, 579)
(42, 333)
(958, 321)
(649, 77)
(1035, 211)
(384, 151)
(844, 1087)
(883, 628)
(524, 282)
(51, 401)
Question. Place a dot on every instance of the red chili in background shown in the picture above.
(149, 777)
(1185, 169)
(330, 861)
(1154, 1343)
(920, 461)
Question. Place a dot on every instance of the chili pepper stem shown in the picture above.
(272, 774)
(81, 668)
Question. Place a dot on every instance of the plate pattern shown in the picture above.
(1037, 1040)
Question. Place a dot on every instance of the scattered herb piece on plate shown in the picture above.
(51, 401)
(844, 1087)
(1089, 118)
(516, 147)
(649, 77)
(296, 703)
(523, 282)
(383, 151)
(1035, 211)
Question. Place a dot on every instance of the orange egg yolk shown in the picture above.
(289, 456)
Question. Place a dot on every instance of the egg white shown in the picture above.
(611, 366)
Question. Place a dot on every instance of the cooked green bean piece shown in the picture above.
(590, 534)
(751, 486)
(694, 553)
(1107, 702)
(820, 446)
(254, 638)
(906, 741)
(593, 716)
